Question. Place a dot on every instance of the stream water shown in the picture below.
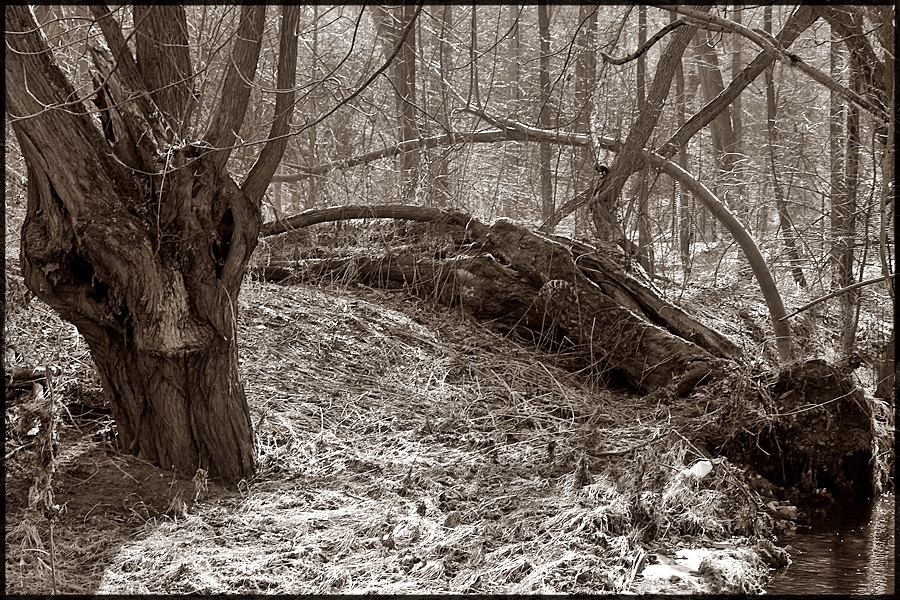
(849, 552)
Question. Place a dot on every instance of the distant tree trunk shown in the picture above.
(644, 247)
(404, 69)
(141, 240)
(547, 204)
(315, 75)
(684, 224)
(585, 84)
(474, 97)
(786, 225)
(442, 185)
(721, 128)
(838, 194)
(514, 150)
(737, 122)
(848, 210)
(390, 23)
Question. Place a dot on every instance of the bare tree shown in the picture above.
(786, 225)
(547, 204)
(137, 234)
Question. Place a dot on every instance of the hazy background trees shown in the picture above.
(805, 169)
(808, 170)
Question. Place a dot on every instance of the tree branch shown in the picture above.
(773, 47)
(267, 163)
(796, 24)
(843, 290)
(627, 161)
(164, 60)
(385, 211)
(647, 45)
(112, 32)
(368, 82)
(845, 20)
(235, 95)
(478, 137)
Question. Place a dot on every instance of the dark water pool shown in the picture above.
(849, 552)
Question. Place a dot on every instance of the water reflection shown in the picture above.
(850, 552)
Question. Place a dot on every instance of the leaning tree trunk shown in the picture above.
(140, 239)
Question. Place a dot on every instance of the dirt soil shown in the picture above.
(403, 449)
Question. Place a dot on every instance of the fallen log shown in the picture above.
(562, 294)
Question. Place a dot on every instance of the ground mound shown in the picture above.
(403, 448)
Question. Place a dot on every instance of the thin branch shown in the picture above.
(647, 45)
(843, 290)
(403, 35)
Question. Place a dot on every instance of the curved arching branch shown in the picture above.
(646, 46)
(315, 216)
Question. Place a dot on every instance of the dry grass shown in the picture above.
(402, 449)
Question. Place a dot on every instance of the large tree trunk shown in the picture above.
(184, 410)
(141, 240)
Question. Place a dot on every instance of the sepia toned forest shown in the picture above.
(679, 205)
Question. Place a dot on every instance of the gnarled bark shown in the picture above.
(140, 239)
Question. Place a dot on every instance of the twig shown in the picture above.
(647, 45)
(843, 290)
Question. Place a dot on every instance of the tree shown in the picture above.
(135, 230)
(786, 225)
(392, 23)
(628, 160)
(547, 207)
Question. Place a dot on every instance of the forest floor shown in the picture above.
(403, 448)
